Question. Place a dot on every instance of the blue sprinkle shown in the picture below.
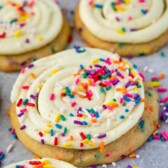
(150, 138)
(58, 126)
(126, 98)
(71, 96)
(100, 6)
(25, 101)
(101, 59)
(71, 115)
(144, 12)
(97, 114)
(122, 117)
(67, 89)
(137, 100)
(135, 66)
(81, 67)
(84, 123)
(126, 110)
(51, 132)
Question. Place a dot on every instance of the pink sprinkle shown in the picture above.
(52, 96)
(164, 100)
(142, 75)
(107, 83)
(108, 61)
(110, 108)
(165, 135)
(91, 2)
(73, 104)
(25, 87)
(129, 18)
(162, 90)
(90, 93)
(121, 100)
(23, 110)
(12, 131)
(156, 137)
(22, 71)
(141, 1)
(77, 81)
(129, 95)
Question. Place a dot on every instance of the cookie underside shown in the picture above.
(123, 49)
(114, 151)
(15, 62)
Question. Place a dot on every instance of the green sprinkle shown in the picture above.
(53, 50)
(102, 90)
(162, 54)
(63, 118)
(65, 130)
(121, 45)
(108, 88)
(88, 136)
(148, 93)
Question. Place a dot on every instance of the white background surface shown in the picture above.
(152, 155)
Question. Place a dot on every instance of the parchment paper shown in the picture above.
(152, 155)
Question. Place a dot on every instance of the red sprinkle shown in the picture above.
(82, 135)
(19, 102)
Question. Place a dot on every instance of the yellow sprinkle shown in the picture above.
(17, 34)
(135, 167)
(84, 117)
(155, 132)
(134, 73)
(48, 166)
(58, 117)
(67, 144)
(127, 2)
(120, 31)
(95, 61)
(40, 86)
(120, 8)
(54, 71)
(40, 39)
(154, 84)
(91, 143)
(45, 161)
(135, 89)
(46, 131)
(49, 125)
(79, 89)
(23, 18)
(85, 141)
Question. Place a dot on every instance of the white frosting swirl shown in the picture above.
(26, 25)
(129, 21)
(91, 100)
(45, 162)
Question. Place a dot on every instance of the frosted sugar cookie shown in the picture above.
(92, 110)
(129, 28)
(30, 29)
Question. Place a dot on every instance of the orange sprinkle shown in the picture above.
(158, 126)
(124, 90)
(161, 76)
(121, 68)
(8, 112)
(36, 157)
(154, 123)
(89, 82)
(33, 75)
(116, 62)
(58, 157)
(74, 92)
(101, 146)
(71, 138)
(132, 156)
(143, 100)
(118, 89)
(94, 120)
(150, 108)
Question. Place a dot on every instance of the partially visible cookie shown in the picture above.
(30, 31)
(126, 28)
(41, 163)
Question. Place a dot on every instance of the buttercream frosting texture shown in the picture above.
(26, 25)
(43, 163)
(79, 98)
(129, 21)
